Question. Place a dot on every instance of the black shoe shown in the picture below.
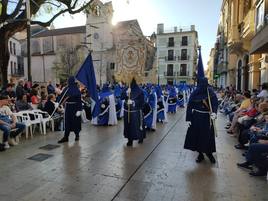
(240, 146)
(245, 153)
(129, 143)
(246, 165)
(200, 158)
(140, 141)
(227, 127)
(211, 158)
(64, 139)
(258, 173)
(76, 138)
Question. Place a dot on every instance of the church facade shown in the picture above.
(120, 48)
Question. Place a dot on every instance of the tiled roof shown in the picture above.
(63, 31)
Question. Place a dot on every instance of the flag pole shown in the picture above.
(59, 103)
(211, 120)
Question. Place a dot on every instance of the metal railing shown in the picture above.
(184, 58)
(170, 44)
(170, 58)
(17, 72)
(177, 74)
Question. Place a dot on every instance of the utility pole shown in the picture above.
(28, 11)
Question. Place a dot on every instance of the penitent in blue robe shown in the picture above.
(150, 111)
(200, 134)
(72, 105)
(134, 128)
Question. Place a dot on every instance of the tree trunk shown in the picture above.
(4, 58)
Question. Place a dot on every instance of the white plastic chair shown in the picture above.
(44, 120)
(37, 119)
(26, 120)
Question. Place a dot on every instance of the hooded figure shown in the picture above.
(134, 128)
(118, 102)
(200, 135)
(73, 108)
(150, 109)
(161, 105)
(107, 114)
(172, 100)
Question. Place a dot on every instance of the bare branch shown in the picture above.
(68, 9)
(16, 11)
(45, 24)
(53, 4)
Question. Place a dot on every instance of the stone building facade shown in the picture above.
(176, 54)
(118, 47)
(239, 54)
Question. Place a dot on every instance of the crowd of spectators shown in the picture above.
(25, 96)
(247, 114)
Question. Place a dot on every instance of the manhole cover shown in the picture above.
(49, 147)
(40, 157)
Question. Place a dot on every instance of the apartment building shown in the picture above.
(176, 54)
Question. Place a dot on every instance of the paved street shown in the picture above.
(101, 168)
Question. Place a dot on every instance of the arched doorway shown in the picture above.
(246, 72)
(239, 74)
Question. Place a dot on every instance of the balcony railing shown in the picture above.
(17, 72)
(177, 74)
(170, 44)
(183, 73)
(170, 58)
(247, 26)
(184, 43)
(184, 58)
(264, 24)
(169, 74)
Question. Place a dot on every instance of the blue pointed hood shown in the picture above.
(200, 67)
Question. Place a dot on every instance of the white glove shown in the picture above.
(128, 91)
(213, 116)
(78, 113)
(56, 105)
(130, 102)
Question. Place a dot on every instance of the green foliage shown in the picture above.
(67, 62)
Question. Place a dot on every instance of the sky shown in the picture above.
(204, 14)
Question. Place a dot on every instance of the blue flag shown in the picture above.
(86, 76)
(200, 67)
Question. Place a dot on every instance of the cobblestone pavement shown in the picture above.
(101, 168)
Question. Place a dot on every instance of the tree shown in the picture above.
(13, 20)
(67, 62)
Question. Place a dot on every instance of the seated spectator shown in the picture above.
(50, 88)
(9, 91)
(50, 106)
(264, 91)
(35, 99)
(8, 122)
(251, 113)
(20, 89)
(257, 155)
(58, 89)
(22, 104)
(245, 105)
(248, 128)
(43, 101)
